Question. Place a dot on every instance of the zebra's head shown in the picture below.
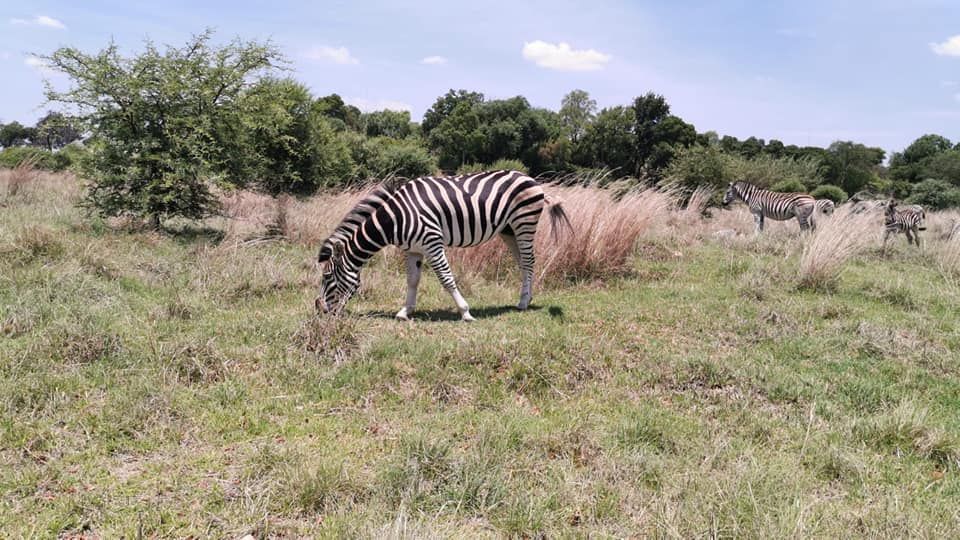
(340, 280)
(730, 195)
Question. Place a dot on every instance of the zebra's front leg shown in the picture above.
(758, 218)
(438, 261)
(522, 249)
(414, 267)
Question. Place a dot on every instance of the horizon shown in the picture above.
(876, 73)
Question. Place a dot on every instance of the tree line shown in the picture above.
(160, 128)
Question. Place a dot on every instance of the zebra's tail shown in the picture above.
(558, 218)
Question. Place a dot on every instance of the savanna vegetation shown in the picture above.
(163, 372)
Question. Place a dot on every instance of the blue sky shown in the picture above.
(882, 72)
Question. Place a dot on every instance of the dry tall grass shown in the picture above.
(837, 240)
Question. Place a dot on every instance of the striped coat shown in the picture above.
(907, 220)
(773, 205)
(425, 215)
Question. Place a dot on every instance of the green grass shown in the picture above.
(174, 387)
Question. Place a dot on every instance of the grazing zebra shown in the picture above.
(825, 206)
(907, 220)
(423, 216)
(771, 204)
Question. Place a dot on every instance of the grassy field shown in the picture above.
(178, 385)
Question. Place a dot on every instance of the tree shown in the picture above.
(15, 134)
(444, 107)
(577, 110)
(908, 165)
(164, 123)
(386, 123)
(296, 148)
(934, 194)
(55, 130)
(851, 165)
(344, 116)
(657, 133)
(608, 141)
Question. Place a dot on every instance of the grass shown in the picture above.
(181, 386)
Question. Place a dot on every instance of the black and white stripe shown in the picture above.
(773, 205)
(425, 215)
(825, 207)
(907, 220)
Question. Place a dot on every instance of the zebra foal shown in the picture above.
(425, 215)
(764, 203)
(907, 220)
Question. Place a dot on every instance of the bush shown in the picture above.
(827, 191)
(935, 194)
(789, 186)
(380, 157)
(498, 165)
(711, 166)
(40, 159)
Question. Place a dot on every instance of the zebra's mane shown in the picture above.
(357, 216)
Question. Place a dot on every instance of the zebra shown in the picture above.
(426, 214)
(771, 204)
(825, 206)
(908, 220)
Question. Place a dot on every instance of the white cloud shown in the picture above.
(337, 55)
(950, 47)
(39, 65)
(562, 57)
(40, 20)
(368, 105)
(434, 60)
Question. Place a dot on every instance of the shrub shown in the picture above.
(789, 186)
(37, 157)
(380, 157)
(935, 194)
(827, 191)
(500, 164)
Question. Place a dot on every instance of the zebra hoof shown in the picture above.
(467, 317)
(523, 305)
(402, 315)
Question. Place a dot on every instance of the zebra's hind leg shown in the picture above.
(438, 261)
(522, 248)
(758, 218)
(414, 267)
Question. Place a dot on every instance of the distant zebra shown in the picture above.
(907, 220)
(771, 204)
(825, 206)
(423, 216)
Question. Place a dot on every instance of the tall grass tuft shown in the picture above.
(827, 250)
(21, 177)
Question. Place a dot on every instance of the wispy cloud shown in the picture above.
(40, 20)
(38, 64)
(368, 105)
(950, 47)
(336, 55)
(434, 60)
(562, 57)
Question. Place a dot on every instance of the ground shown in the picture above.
(180, 385)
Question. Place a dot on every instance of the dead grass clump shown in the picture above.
(330, 337)
(20, 178)
(946, 254)
(83, 346)
(827, 250)
(33, 243)
(909, 427)
(311, 221)
(198, 363)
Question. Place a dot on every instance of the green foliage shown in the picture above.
(827, 191)
(577, 110)
(657, 134)
(699, 165)
(15, 134)
(789, 186)
(38, 157)
(55, 130)
(386, 123)
(851, 166)
(379, 157)
(935, 194)
(608, 142)
(499, 165)
(164, 123)
(911, 164)
(296, 148)
(341, 115)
